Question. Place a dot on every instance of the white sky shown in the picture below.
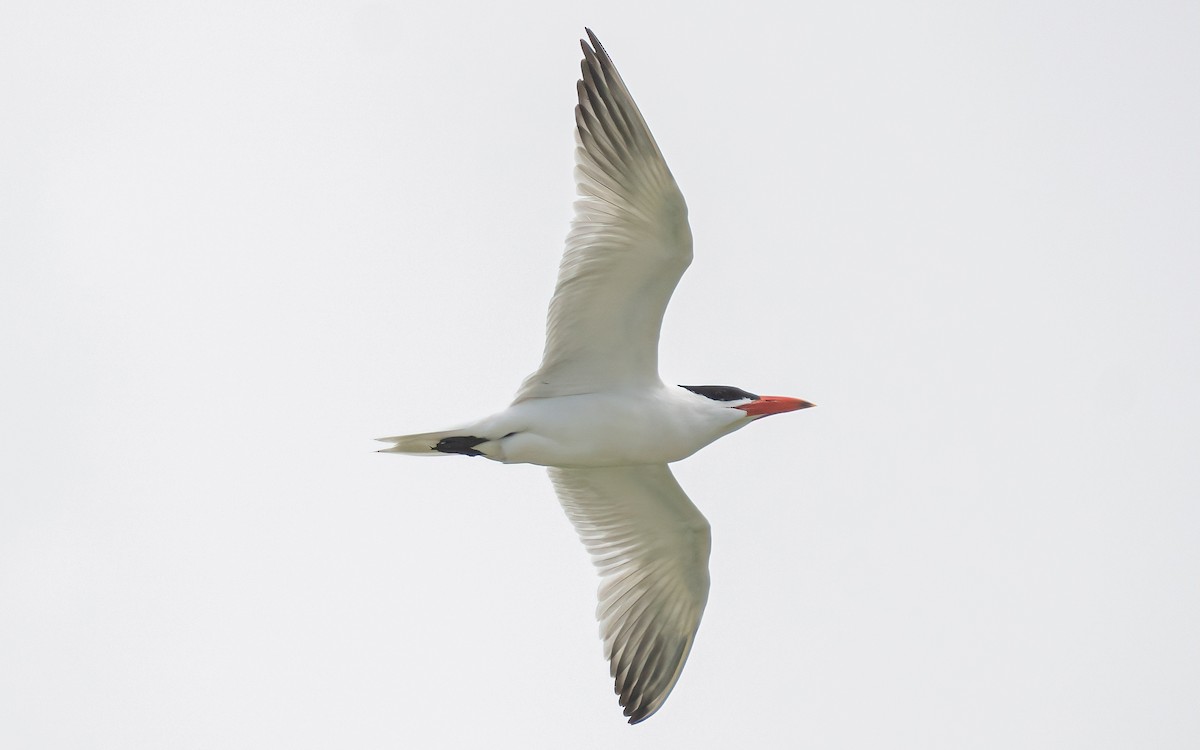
(242, 239)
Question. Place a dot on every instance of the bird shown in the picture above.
(597, 413)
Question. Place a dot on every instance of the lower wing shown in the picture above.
(651, 545)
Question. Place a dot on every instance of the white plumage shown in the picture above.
(628, 247)
(596, 411)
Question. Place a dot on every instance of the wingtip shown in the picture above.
(596, 45)
(640, 714)
(637, 709)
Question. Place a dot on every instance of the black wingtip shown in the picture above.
(637, 712)
(596, 45)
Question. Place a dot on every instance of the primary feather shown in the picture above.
(628, 246)
(650, 545)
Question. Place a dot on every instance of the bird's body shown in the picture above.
(596, 411)
(609, 428)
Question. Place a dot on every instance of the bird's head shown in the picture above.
(754, 405)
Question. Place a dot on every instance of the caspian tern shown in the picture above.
(596, 412)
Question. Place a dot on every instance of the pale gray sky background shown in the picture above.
(242, 239)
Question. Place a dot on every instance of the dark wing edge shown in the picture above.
(628, 246)
(650, 545)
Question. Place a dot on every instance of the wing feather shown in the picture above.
(628, 246)
(650, 545)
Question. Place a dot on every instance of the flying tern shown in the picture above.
(596, 412)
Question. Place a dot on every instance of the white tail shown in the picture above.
(424, 444)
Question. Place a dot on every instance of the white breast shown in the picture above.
(611, 428)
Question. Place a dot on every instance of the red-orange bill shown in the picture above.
(767, 405)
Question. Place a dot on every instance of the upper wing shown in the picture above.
(628, 246)
(650, 544)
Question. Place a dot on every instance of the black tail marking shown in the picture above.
(464, 444)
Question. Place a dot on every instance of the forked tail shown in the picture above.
(445, 443)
